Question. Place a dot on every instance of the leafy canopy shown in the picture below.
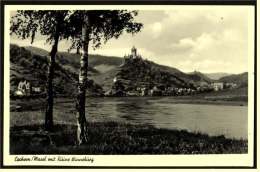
(104, 25)
(65, 24)
(26, 23)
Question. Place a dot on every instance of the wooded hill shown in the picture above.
(31, 66)
(31, 63)
(240, 79)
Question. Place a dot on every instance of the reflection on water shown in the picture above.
(163, 113)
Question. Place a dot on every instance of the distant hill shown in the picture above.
(240, 79)
(216, 76)
(97, 63)
(103, 69)
(144, 72)
(139, 72)
(198, 76)
(26, 64)
(195, 77)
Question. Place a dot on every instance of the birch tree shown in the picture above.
(97, 27)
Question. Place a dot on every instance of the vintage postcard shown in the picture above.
(129, 86)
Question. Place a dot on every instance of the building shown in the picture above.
(217, 86)
(133, 55)
(144, 91)
(230, 85)
(36, 89)
(155, 91)
(24, 88)
(29, 88)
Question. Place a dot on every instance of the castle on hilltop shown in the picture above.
(132, 56)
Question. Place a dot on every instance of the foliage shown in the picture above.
(27, 23)
(143, 72)
(240, 79)
(32, 67)
(105, 24)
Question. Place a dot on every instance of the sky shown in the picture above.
(201, 38)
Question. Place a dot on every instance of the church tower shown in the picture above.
(134, 52)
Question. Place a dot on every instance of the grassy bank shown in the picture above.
(117, 138)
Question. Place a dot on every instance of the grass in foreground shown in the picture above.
(115, 138)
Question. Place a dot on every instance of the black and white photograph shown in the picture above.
(130, 81)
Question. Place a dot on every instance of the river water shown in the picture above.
(164, 112)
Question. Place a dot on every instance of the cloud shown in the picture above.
(185, 44)
(204, 38)
(211, 65)
(156, 29)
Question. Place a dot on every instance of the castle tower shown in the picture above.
(134, 52)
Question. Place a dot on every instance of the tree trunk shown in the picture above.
(49, 108)
(80, 103)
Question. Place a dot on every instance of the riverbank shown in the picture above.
(119, 138)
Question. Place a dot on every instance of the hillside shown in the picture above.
(194, 78)
(97, 63)
(103, 69)
(140, 72)
(240, 79)
(200, 77)
(25, 64)
(136, 73)
(217, 75)
(105, 80)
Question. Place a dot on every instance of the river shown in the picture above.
(220, 118)
(164, 112)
